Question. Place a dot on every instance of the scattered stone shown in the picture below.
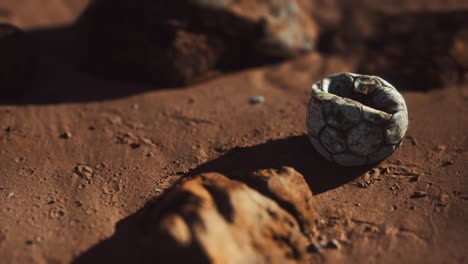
(414, 178)
(257, 100)
(443, 200)
(446, 163)
(10, 195)
(65, 135)
(363, 184)
(333, 244)
(440, 148)
(84, 172)
(418, 194)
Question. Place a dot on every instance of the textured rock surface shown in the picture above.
(289, 189)
(172, 43)
(210, 218)
(356, 119)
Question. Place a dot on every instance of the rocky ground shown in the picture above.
(95, 170)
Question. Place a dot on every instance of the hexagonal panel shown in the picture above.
(332, 140)
(396, 128)
(318, 146)
(349, 159)
(339, 84)
(384, 152)
(365, 138)
(375, 116)
(315, 121)
(342, 113)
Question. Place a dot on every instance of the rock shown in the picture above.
(65, 135)
(418, 194)
(212, 219)
(178, 42)
(257, 100)
(459, 50)
(394, 45)
(84, 172)
(289, 189)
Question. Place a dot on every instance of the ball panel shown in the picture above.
(342, 113)
(315, 120)
(318, 146)
(381, 154)
(375, 116)
(321, 95)
(396, 128)
(365, 138)
(339, 84)
(387, 99)
(332, 140)
(349, 159)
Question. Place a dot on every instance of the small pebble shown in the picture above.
(419, 194)
(65, 135)
(257, 100)
(333, 244)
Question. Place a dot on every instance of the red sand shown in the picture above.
(137, 145)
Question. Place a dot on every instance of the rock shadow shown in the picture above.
(126, 244)
(44, 67)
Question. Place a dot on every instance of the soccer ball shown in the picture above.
(355, 119)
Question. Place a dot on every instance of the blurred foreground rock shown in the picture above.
(176, 42)
(212, 219)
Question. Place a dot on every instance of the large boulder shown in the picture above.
(177, 42)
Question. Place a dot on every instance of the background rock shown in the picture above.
(412, 50)
(173, 43)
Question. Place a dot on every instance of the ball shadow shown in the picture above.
(295, 152)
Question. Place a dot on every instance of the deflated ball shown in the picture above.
(355, 119)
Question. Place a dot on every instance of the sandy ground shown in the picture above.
(62, 195)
